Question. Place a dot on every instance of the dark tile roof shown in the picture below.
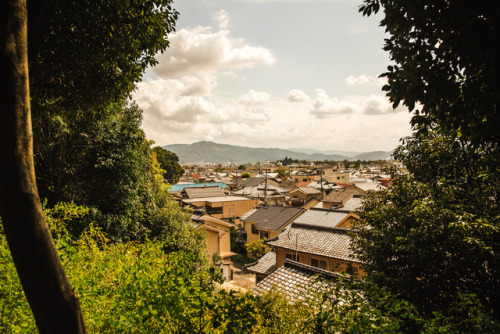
(203, 192)
(325, 241)
(250, 182)
(288, 185)
(272, 218)
(265, 265)
(340, 196)
(296, 280)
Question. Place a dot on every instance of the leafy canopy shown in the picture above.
(446, 66)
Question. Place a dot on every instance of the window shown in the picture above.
(338, 177)
(318, 263)
(254, 229)
(292, 257)
(305, 180)
(264, 234)
(215, 210)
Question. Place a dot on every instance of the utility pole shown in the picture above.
(321, 181)
(265, 190)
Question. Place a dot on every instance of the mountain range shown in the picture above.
(210, 152)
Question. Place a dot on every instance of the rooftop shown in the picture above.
(296, 280)
(272, 218)
(265, 265)
(325, 241)
(321, 218)
(216, 199)
(200, 192)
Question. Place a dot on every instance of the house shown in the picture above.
(302, 195)
(218, 241)
(183, 185)
(339, 197)
(269, 222)
(365, 187)
(266, 195)
(352, 205)
(222, 207)
(298, 281)
(316, 244)
(200, 192)
(327, 218)
(263, 267)
(337, 176)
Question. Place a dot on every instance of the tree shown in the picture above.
(435, 234)
(169, 162)
(437, 229)
(82, 55)
(446, 67)
(245, 175)
(50, 295)
(242, 167)
(282, 171)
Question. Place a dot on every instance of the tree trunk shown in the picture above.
(51, 297)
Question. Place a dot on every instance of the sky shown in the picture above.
(274, 74)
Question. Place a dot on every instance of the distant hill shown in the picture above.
(327, 152)
(210, 152)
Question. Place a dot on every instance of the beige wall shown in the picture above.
(229, 208)
(212, 243)
(305, 178)
(341, 177)
(332, 264)
(218, 237)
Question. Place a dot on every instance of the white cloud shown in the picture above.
(200, 49)
(364, 80)
(184, 104)
(222, 18)
(326, 107)
(253, 98)
(296, 95)
(378, 105)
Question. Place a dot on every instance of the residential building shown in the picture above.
(263, 267)
(269, 222)
(218, 241)
(339, 197)
(298, 281)
(317, 245)
(223, 207)
(302, 195)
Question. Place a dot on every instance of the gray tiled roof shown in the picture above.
(353, 204)
(265, 265)
(272, 218)
(203, 192)
(318, 217)
(329, 242)
(247, 214)
(296, 280)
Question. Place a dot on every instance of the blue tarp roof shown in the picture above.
(179, 187)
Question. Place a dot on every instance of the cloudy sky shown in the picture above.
(272, 73)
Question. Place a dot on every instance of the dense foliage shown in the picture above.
(169, 162)
(142, 288)
(434, 236)
(446, 66)
(89, 53)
